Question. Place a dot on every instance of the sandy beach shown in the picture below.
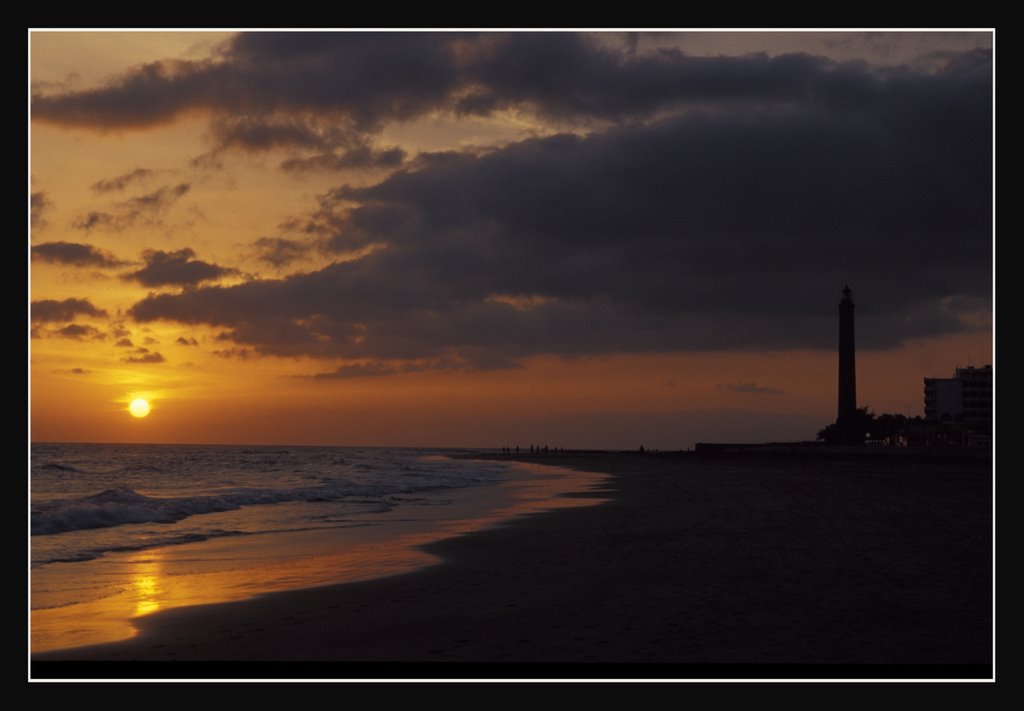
(749, 565)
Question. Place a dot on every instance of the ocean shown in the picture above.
(122, 531)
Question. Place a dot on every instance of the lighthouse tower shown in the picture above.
(846, 420)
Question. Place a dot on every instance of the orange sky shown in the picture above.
(213, 178)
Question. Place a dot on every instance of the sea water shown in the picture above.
(121, 531)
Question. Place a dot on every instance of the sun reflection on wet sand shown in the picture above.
(131, 585)
(146, 587)
(126, 586)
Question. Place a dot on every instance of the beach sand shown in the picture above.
(868, 564)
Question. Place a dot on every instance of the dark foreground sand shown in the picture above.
(745, 565)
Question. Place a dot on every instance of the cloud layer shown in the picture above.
(50, 310)
(75, 254)
(364, 79)
(326, 94)
(176, 269)
(682, 203)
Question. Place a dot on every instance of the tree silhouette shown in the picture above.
(887, 426)
(856, 430)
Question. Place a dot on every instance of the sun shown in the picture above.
(139, 408)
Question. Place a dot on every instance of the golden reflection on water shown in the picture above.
(127, 585)
(146, 587)
(135, 584)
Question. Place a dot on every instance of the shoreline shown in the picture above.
(726, 566)
(113, 593)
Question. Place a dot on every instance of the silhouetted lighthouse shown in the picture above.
(846, 421)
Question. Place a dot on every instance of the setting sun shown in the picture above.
(139, 408)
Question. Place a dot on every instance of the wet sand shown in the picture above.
(103, 600)
(751, 565)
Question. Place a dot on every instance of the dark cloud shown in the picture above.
(186, 341)
(75, 254)
(320, 224)
(158, 199)
(361, 157)
(571, 76)
(124, 343)
(715, 202)
(176, 269)
(120, 182)
(39, 204)
(371, 369)
(315, 145)
(147, 208)
(78, 331)
(362, 77)
(372, 77)
(50, 310)
(280, 252)
(271, 84)
(255, 135)
(358, 370)
(80, 371)
(239, 353)
(144, 356)
(749, 388)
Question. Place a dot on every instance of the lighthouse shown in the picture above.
(847, 417)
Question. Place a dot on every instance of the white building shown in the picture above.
(966, 397)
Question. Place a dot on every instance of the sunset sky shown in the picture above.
(486, 239)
